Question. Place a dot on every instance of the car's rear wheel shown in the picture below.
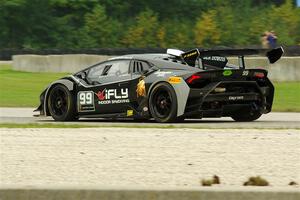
(61, 104)
(246, 116)
(163, 103)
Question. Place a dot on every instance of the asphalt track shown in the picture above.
(273, 120)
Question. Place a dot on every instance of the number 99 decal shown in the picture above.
(85, 98)
(245, 73)
(85, 101)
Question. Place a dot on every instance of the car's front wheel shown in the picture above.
(61, 104)
(163, 103)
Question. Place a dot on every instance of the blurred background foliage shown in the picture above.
(78, 24)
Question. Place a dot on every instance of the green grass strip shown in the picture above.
(22, 89)
(287, 97)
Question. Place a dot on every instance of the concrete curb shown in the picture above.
(286, 69)
(56, 63)
(116, 193)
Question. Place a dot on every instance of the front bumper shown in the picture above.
(40, 109)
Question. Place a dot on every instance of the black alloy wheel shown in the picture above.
(163, 103)
(61, 104)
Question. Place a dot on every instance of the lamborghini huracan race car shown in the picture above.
(167, 87)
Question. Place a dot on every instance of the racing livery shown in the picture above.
(167, 87)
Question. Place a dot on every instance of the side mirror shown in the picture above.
(82, 75)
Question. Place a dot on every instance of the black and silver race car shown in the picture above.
(167, 87)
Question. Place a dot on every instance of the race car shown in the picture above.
(168, 87)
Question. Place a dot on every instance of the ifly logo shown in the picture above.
(107, 94)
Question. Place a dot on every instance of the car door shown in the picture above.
(138, 68)
(108, 89)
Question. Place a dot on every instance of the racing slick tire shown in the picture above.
(246, 116)
(61, 104)
(163, 103)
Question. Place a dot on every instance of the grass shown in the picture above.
(22, 89)
(287, 97)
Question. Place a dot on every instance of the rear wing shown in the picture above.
(192, 56)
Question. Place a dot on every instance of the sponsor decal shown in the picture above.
(113, 96)
(227, 73)
(129, 113)
(174, 79)
(161, 73)
(141, 88)
(215, 58)
(220, 89)
(85, 101)
(101, 95)
(190, 54)
(235, 98)
(114, 101)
